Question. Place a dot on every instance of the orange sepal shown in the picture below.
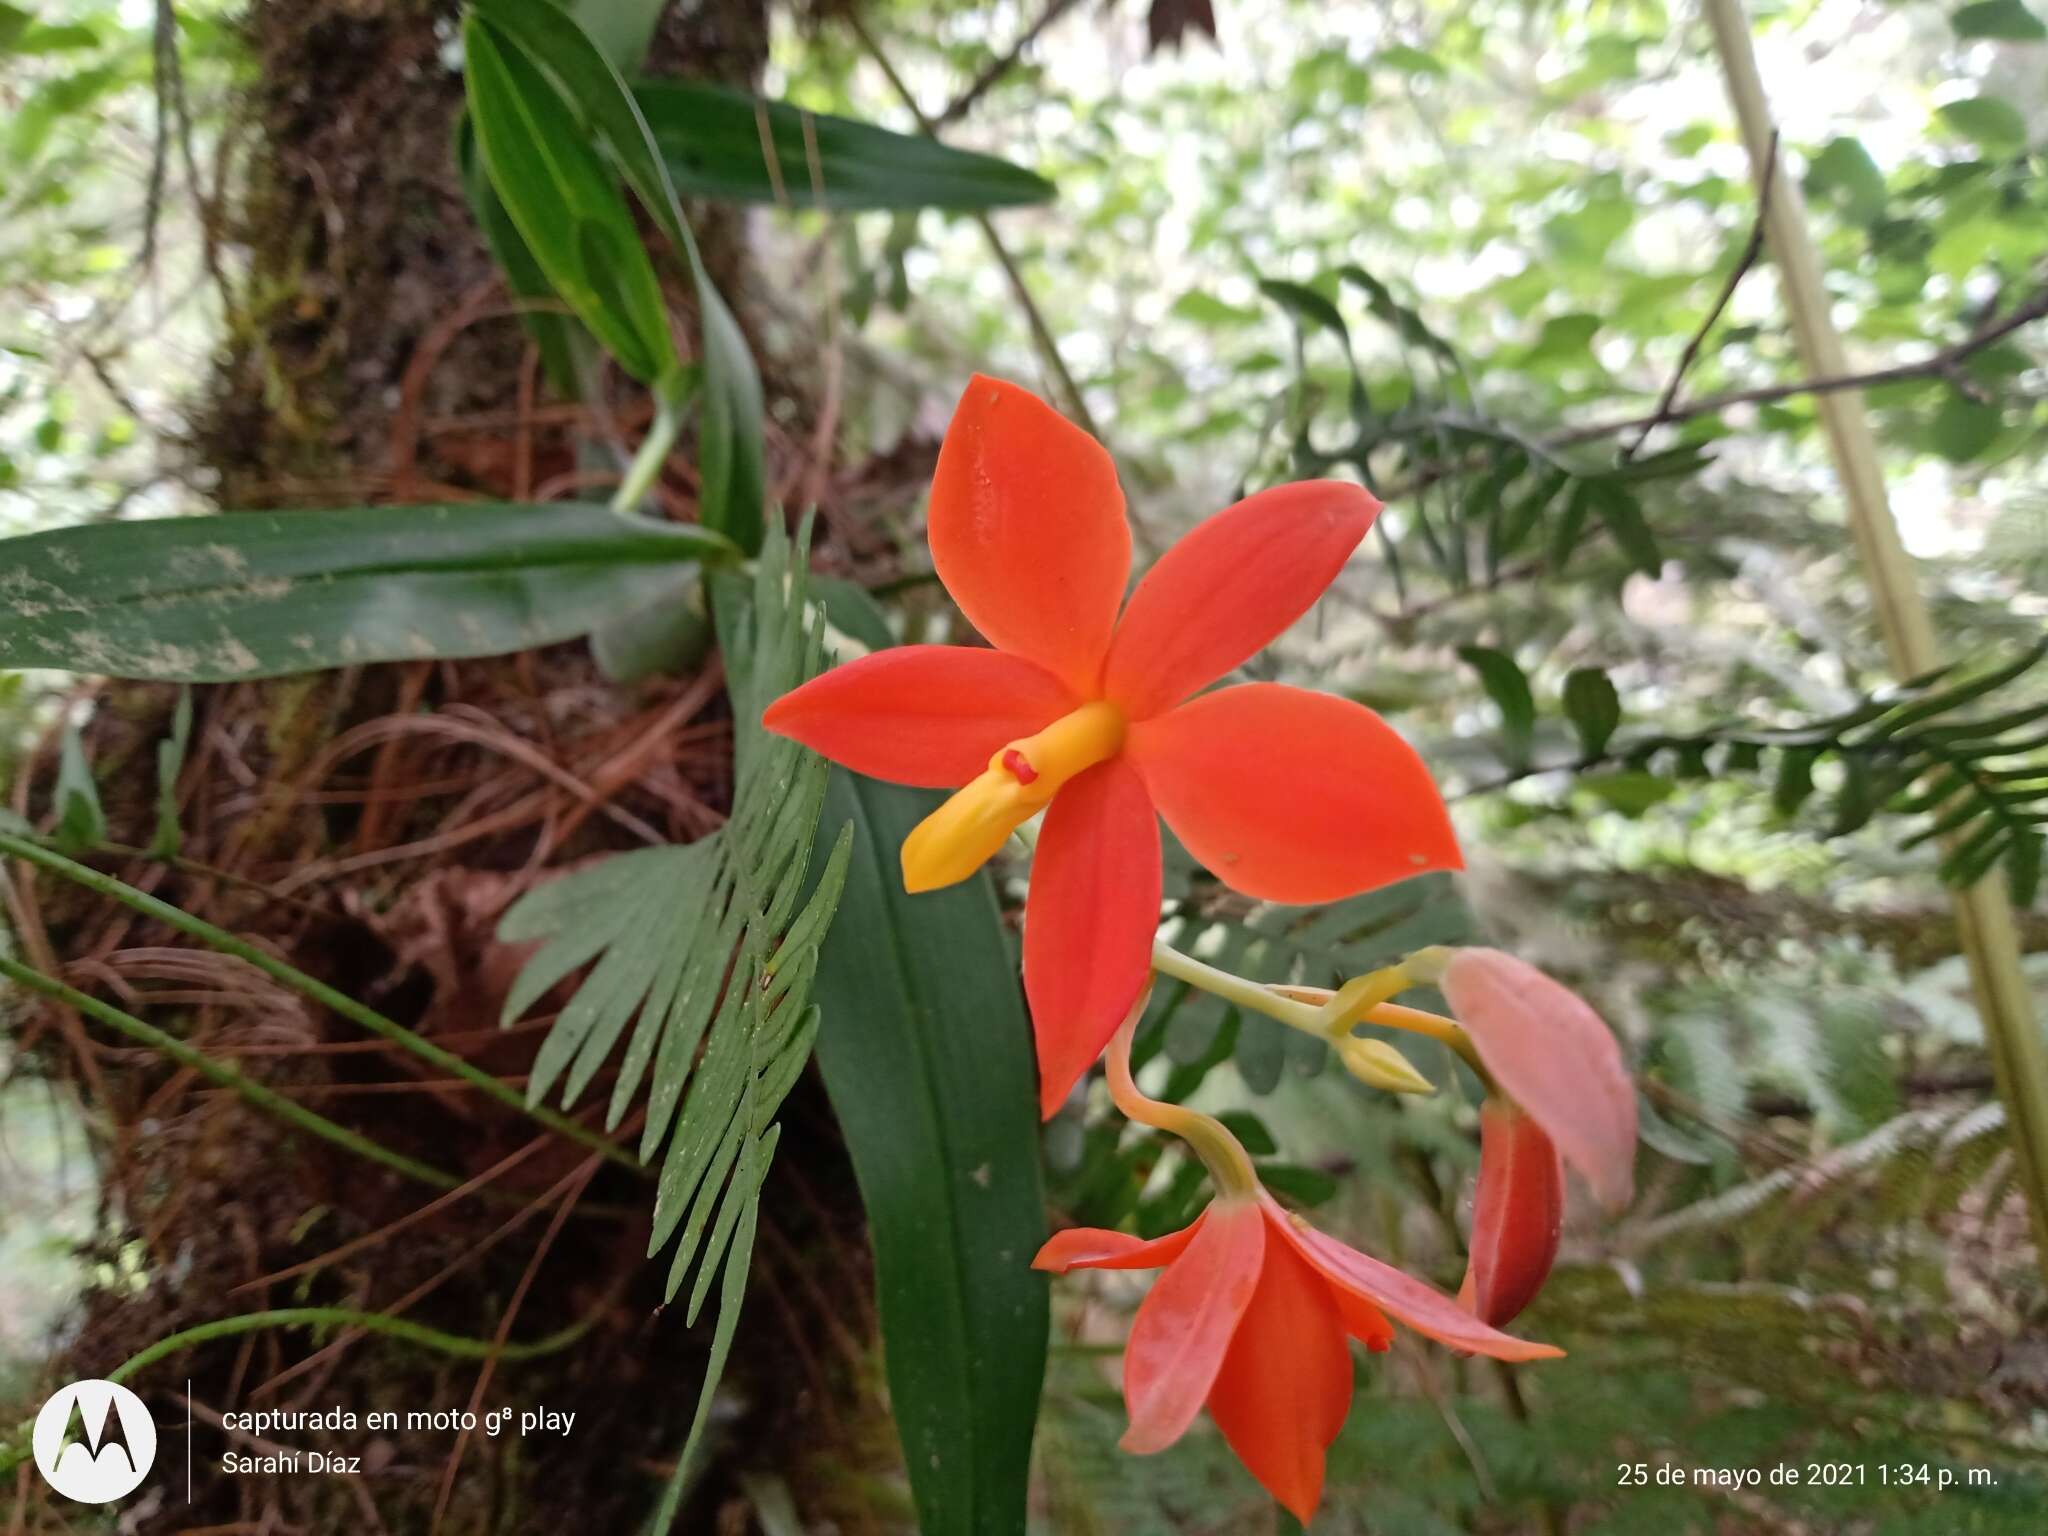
(1027, 530)
(1098, 1248)
(1228, 588)
(928, 715)
(1184, 1325)
(1403, 1297)
(1089, 920)
(1285, 1385)
(1293, 796)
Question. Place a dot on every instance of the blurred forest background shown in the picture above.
(1459, 248)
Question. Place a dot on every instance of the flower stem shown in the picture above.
(1168, 961)
(1229, 1165)
(1319, 1011)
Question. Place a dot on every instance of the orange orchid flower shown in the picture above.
(1087, 709)
(1253, 1311)
(1251, 1318)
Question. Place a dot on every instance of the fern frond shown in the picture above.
(708, 951)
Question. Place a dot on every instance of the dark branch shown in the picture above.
(997, 68)
(1750, 252)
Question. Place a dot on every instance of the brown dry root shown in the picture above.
(371, 827)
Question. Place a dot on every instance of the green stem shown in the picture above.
(319, 992)
(1169, 961)
(652, 454)
(224, 1075)
(1308, 1008)
(12, 1454)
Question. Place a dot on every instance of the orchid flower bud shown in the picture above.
(1378, 1065)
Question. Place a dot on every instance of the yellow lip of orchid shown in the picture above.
(1020, 781)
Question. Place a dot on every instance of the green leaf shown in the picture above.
(1206, 309)
(264, 594)
(1564, 338)
(1619, 509)
(731, 477)
(1631, 793)
(1987, 121)
(1409, 61)
(565, 203)
(13, 22)
(2023, 866)
(2009, 20)
(1520, 516)
(1308, 306)
(1593, 707)
(709, 136)
(926, 1053)
(1508, 687)
(621, 29)
(1795, 779)
(1845, 174)
(559, 337)
(667, 634)
(1964, 428)
(1854, 802)
(1303, 1186)
(81, 823)
(170, 762)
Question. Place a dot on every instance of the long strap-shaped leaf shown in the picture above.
(926, 1052)
(730, 473)
(262, 594)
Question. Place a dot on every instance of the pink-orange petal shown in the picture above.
(1517, 1214)
(929, 715)
(1551, 1055)
(1404, 1298)
(1285, 1385)
(1098, 1248)
(1185, 1323)
(1227, 589)
(1293, 796)
(1028, 532)
(1089, 921)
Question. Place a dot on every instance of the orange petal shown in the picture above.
(1184, 1326)
(1551, 1055)
(1095, 1248)
(1089, 921)
(1027, 530)
(1517, 1214)
(1422, 1307)
(1226, 590)
(1364, 1321)
(1285, 1385)
(929, 715)
(1293, 796)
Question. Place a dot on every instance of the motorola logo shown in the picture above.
(94, 1442)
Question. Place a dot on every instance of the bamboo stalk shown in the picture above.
(1984, 919)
